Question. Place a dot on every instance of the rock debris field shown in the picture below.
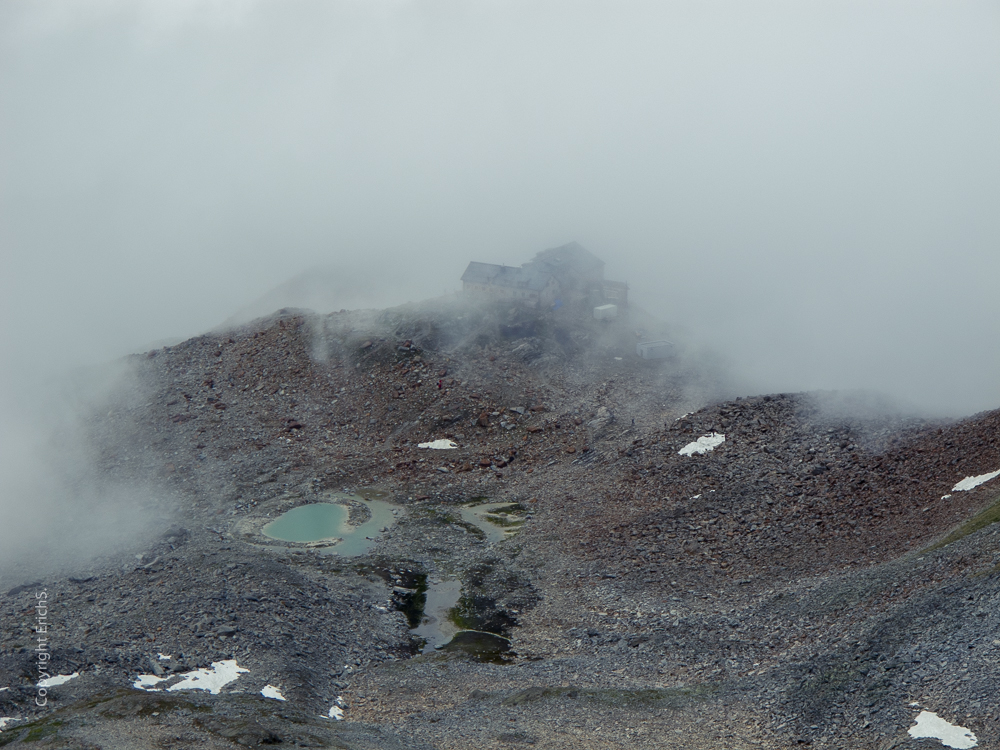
(660, 565)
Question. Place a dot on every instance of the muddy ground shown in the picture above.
(812, 581)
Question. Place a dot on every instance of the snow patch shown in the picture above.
(212, 680)
(970, 482)
(5, 720)
(703, 444)
(929, 724)
(147, 682)
(59, 679)
(337, 710)
(164, 657)
(439, 445)
(270, 691)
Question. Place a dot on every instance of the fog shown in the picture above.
(57, 509)
(808, 189)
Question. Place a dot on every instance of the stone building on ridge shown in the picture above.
(569, 274)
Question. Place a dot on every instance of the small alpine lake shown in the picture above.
(327, 525)
(309, 523)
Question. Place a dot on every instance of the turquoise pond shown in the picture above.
(309, 523)
(330, 521)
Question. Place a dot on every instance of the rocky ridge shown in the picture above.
(781, 590)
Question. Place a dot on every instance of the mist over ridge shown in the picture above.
(809, 190)
(805, 193)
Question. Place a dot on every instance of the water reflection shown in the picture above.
(435, 628)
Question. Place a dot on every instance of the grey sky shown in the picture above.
(810, 188)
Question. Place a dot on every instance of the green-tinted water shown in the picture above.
(486, 647)
(358, 539)
(489, 517)
(329, 521)
(309, 523)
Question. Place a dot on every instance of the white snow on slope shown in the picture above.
(5, 720)
(440, 445)
(703, 444)
(929, 724)
(212, 680)
(147, 682)
(337, 710)
(59, 679)
(970, 482)
(270, 691)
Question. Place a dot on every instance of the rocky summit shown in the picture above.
(546, 541)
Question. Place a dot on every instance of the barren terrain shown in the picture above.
(812, 581)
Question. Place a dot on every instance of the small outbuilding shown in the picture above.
(661, 349)
(606, 312)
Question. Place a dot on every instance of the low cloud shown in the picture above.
(58, 509)
(807, 190)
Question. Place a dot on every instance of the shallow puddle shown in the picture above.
(481, 646)
(320, 522)
(435, 628)
(489, 517)
(439, 633)
(359, 539)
